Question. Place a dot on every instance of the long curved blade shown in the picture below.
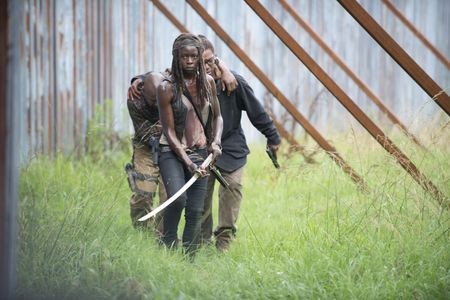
(171, 199)
(177, 194)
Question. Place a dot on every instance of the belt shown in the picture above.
(166, 148)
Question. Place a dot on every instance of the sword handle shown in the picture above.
(273, 157)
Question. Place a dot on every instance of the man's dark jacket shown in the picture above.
(234, 145)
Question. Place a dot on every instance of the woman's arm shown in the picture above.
(217, 122)
(164, 97)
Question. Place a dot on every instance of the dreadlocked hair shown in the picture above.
(203, 88)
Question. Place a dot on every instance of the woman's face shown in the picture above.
(189, 57)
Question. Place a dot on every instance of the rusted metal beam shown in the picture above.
(397, 53)
(375, 99)
(348, 103)
(417, 33)
(170, 16)
(287, 104)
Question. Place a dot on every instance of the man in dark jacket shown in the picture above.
(234, 151)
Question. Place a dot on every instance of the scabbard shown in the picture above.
(219, 177)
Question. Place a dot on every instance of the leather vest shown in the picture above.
(180, 112)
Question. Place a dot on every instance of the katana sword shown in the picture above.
(178, 193)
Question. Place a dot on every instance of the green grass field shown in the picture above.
(305, 232)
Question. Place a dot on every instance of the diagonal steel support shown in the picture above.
(287, 104)
(375, 99)
(417, 33)
(170, 16)
(347, 102)
(397, 53)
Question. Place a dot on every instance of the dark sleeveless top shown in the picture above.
(180, 112)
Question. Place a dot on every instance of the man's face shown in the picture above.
(208, 60)
(189, 58)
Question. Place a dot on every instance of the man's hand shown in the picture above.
(194, 169)
(229, 82)
(135, 90)
(274, 148)
(272, 152)
(216, 150)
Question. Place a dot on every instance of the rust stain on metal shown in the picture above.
(61, 41)
(87, 52)
(348, 103)
(144, 3)
(49, 124)
(74, 72)
(68, 115)
(79, 145)
(55, 78)
(397, 53)
(106, 57)
(91, 58)
(41, 124)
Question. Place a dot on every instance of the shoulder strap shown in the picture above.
(189, 96)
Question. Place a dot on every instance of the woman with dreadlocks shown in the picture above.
(192, 126)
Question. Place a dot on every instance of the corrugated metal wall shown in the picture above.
(77, 56)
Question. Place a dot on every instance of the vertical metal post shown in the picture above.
(4, 235)
(9, 88)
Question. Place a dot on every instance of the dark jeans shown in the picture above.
(175, 175)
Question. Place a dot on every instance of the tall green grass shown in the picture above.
(305, 232)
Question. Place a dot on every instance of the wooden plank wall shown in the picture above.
(76, 56)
